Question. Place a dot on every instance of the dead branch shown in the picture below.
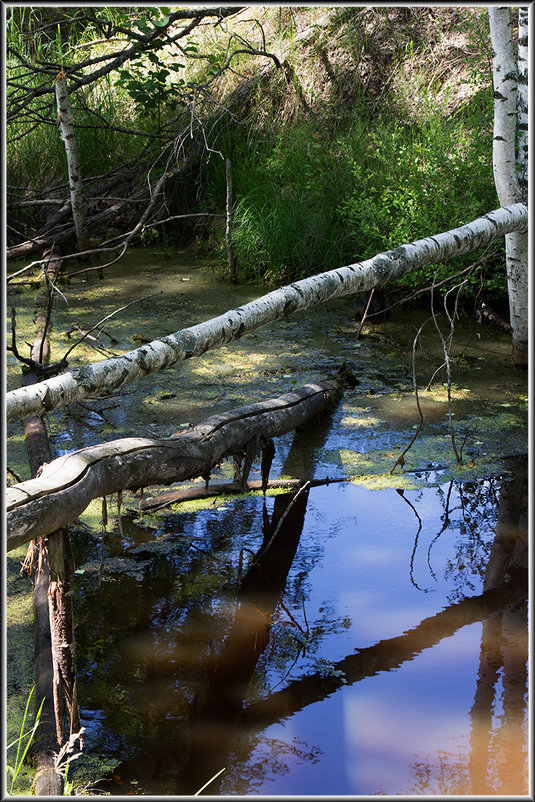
(229, 489)
(67, 484)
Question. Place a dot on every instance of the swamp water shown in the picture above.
(362, 637)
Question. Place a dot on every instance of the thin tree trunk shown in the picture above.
(55, 679)
(67, 484)
(48, 782)
(68, 135)
(45, 747)
(100, 378)
(505, 79)
(228, 229)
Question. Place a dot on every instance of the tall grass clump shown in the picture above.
(308, 201)
(22, 744)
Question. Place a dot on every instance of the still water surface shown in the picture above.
(342, 661)
(378, 646)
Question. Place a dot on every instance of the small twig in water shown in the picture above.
(281, 519)
(401, 459)
(103, 320)
(443, 528)
(413, 508)
(363, 318)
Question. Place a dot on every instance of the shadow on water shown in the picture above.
(219, 706)
(214, 716)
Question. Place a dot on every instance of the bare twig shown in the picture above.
(411, 572)
(446, 347)
(107, 317)
(401, 459)
(442, 529)
(361, 324)
(281, 520)
(107, 264)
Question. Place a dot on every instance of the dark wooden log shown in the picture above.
(52, 606)
(228, 489)
(67, 484)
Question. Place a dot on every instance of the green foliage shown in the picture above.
(414, 181)
(313, 193)
(308, 201)
(23, 743)
(146, 82)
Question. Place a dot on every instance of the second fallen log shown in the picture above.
(69, 483)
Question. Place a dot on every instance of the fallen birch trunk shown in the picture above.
(100, 378)
(68, 484)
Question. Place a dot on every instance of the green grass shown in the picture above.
(313, 191)
(307, 201)
(23, 743)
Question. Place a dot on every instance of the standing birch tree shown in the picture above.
(68, 135)
(510, 159)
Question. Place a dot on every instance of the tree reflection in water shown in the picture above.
(498, 760)
(222, 728)
(498, 763)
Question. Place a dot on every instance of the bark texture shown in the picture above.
(522, 103)
(66, 126)
(67, 484)
(504, 156)
(42, 554)
(100, 378)
(505, 81)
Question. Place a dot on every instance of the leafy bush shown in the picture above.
(306, 201)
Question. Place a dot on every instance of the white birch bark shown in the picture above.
(67, 484)
(506, 178)
(110, 374)
(522, 103)
(505, 81)
(66, 126)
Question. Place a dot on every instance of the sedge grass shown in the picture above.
(23, 742)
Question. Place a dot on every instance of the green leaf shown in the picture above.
(162, 23)
(142, 25)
